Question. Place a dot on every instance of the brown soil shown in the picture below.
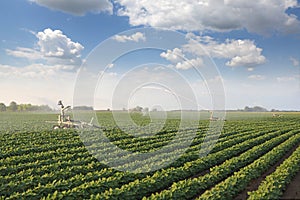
(293, 189)
(253, 185)
(200, 174)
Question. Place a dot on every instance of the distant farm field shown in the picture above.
(257, 156)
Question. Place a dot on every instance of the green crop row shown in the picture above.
(38, 163)
(87, 184)
(164, 178)
(230, 187)
(189, 188)
(50, 165)
(189, 156)
(274, 184)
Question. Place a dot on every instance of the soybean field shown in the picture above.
(257, 156)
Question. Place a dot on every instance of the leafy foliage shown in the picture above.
(37, 162)
(274, 184)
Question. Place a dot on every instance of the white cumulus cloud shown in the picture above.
(52, 46)
(77, 7)
(239, 52)
(136, 37)
(262, 17)
(176, 55)
(188, 64)
(177, 58)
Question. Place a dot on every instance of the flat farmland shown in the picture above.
(257, 156)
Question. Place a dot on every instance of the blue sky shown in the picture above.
(255, 46)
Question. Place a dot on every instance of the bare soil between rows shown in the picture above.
(293, 189)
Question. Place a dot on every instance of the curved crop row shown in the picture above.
(101, 184)
(189, 188)
(237, 182)
(165, 178)
(41, 169)
(274, 184)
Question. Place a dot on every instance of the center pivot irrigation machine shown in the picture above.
(65, 122)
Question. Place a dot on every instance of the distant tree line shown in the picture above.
(253, 109)
(14, 107)
(83, 108)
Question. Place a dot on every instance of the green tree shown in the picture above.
(137, 109)
(21, 107)
(2, 107)
(13, 106)
(28, 107)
